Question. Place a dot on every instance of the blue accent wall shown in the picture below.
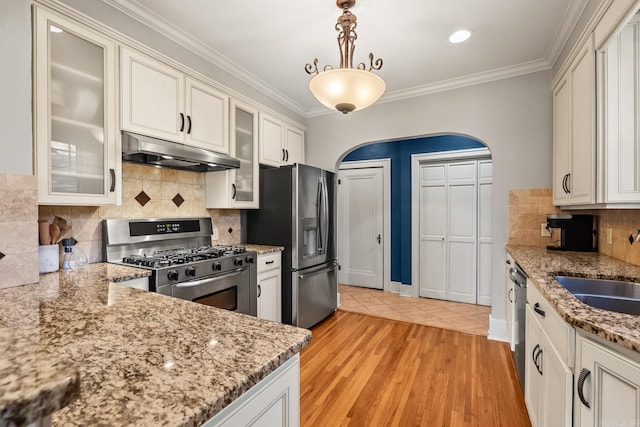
(400, 154)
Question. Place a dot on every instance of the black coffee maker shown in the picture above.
(576, 232)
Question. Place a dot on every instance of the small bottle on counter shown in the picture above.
(67, 249)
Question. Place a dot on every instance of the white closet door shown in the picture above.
(360, 225)
(485, 241)
(462, 217)
(433, 228)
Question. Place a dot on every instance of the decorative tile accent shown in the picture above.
(230, 230)
(178, 200)
(142, 198)
(1, 255)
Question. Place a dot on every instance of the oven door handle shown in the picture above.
(194, 283)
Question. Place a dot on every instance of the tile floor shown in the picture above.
(469, 318)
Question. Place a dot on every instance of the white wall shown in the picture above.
(15, 87)
(513, 117)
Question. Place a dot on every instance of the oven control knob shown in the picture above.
(249, 259)
(217, 266)
(172, 275)
(190, 271)
(237, 261)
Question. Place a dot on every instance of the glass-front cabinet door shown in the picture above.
(244, 143)
(77, 146)
(238, 188)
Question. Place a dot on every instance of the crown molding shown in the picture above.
(161, 25)
(450, 84)
(138, 12)
(567, 25)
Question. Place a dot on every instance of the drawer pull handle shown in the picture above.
(270, 262)
(509, 295)
(584, 374)
(259, 291)
(181, 122)
(538, 310)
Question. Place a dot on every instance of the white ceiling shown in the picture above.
(268, 42)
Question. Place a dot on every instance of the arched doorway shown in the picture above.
(399, 263)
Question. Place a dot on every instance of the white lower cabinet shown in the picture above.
(269, 287)
(550, 352)
(608, 386)
(273, 402)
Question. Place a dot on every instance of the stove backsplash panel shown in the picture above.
(161, 188)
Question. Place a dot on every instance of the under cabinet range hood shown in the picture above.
(158, 152)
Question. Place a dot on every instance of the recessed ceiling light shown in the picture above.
(459, 36)
(55, 29)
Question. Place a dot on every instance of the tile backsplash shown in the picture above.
(528, 209)
(148, 192)
(18, 230)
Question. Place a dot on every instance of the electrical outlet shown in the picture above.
(214, 234)
(609, 233)
(544, 231)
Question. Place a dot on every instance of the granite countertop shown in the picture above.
(142, 358)
(262, 249)
(541, 265)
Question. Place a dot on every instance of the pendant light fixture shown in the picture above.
(346, 88)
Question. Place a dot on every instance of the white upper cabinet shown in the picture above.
(620, 61)
(238, 188)
(207, 112)
(280, 144)
(574, 144)
(77, 146)
(160, 101)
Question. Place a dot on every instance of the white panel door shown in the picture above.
(461, 222)
(485, 240)
(360, 227)
(207, 117)
(433, 230)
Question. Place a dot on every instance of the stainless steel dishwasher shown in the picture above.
(519, 279)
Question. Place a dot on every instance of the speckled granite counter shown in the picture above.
(541, 265)
(142, 358)
(33, 381)
(262, 249)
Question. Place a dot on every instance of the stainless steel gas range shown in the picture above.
(183, 262)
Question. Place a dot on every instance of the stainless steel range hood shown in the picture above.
(158, 152)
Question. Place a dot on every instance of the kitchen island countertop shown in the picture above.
(541, 265)
(141, 358)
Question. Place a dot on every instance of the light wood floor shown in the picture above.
(366, 371)
(457, 316)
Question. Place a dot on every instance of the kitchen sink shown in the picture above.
(612, 295)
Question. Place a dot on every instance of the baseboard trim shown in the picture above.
(498, 329)
(394, 287)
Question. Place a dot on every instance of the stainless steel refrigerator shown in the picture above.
(297, 211)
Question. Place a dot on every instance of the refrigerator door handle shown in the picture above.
(325, 215)
(318, 270)
(319, 214)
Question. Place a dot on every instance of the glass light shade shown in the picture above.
(347, 89)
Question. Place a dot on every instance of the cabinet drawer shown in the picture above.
(268, 262)
(561, 335)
